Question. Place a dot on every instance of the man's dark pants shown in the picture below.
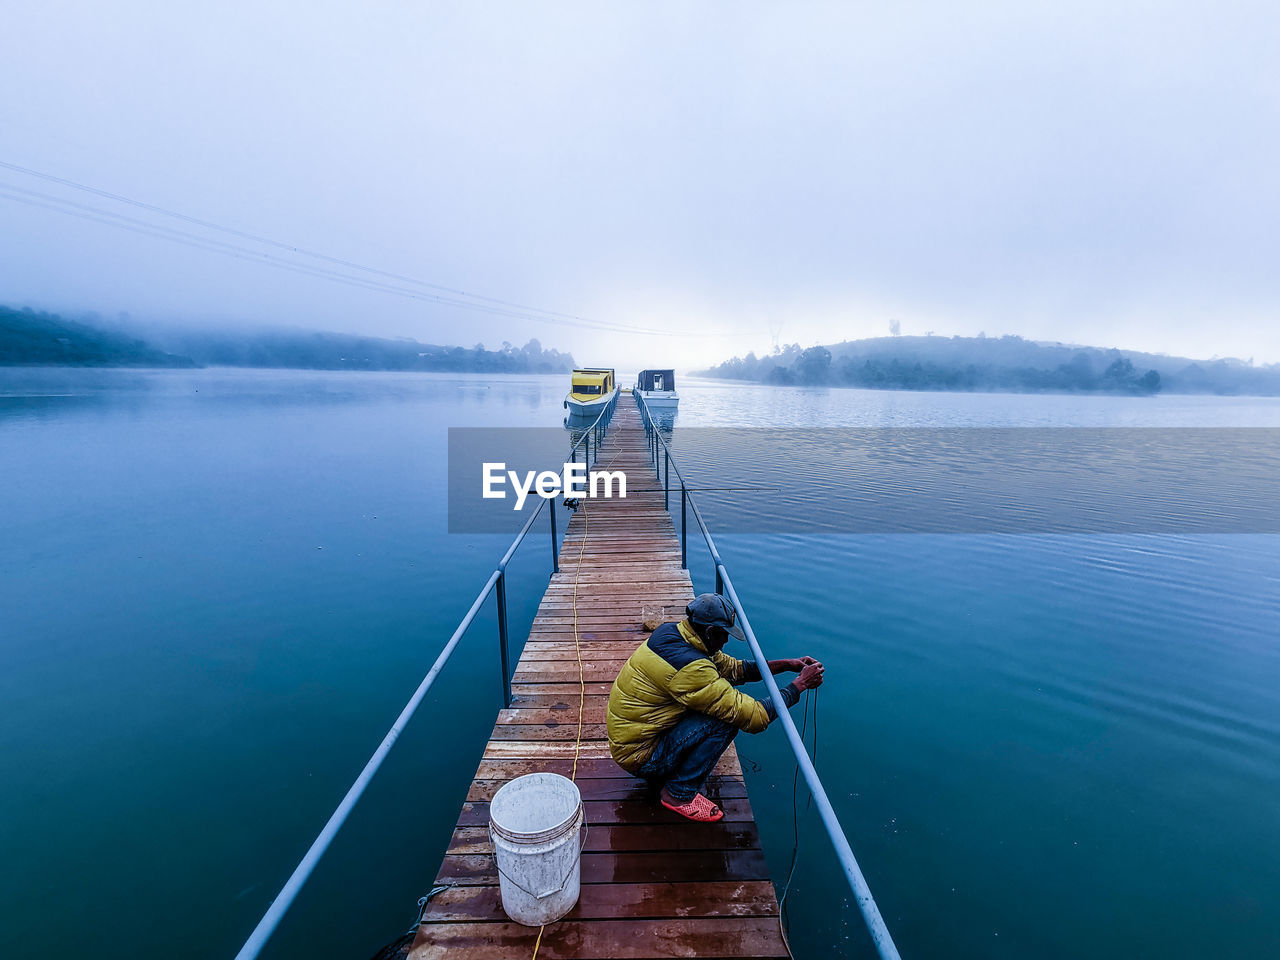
(687, 753)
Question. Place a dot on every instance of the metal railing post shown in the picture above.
(684, 536)
(502, 637)
(555, 552)
(666, 485)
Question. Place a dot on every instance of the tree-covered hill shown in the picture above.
(315, 350)
(31, 338)
(1005, 363)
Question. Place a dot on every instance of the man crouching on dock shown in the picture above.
(673, 709)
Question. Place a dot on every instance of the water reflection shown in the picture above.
(664, 420)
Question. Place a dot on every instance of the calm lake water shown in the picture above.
(217, 589)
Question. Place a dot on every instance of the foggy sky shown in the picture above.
(1099, 173)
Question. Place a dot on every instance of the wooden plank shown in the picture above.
(622, 593)
(629, 838)
(560, 689)
(657, 575)
(603, 901)
(626, 615)
(566, 652)
(542, 731)
(619, 788)
(621, 608)
(635, 558)
(571, 668)
(624, 626)
(618, 939)
(555, 710)
(556, 703)
(635, 809)
(553, 651)
(551, 671)
(537, 749)
(560, 650)
(588, 768)
(681, 866)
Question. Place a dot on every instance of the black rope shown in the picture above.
(809, 803)
(795, 810)
(422, 906)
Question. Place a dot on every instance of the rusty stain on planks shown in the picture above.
(653, 885)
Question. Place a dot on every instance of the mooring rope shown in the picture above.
(795, 813)
(577, 643)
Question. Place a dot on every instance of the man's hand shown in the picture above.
(790, 666)
(811, 676)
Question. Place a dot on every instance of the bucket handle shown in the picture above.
(582, 845)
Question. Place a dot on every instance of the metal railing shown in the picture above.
(662, 466)
(589, 443)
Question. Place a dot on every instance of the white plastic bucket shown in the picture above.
(534, 825)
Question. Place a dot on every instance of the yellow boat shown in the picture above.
(590, 389)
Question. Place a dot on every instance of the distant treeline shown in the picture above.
(31, 338)
(1006, 363)
(337, 351)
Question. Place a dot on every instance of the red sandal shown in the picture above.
(699, 809)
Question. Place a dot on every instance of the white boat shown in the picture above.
(658, 389)
(590, 390)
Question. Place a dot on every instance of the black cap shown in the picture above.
(713, 610)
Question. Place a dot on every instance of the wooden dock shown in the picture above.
(653, 884)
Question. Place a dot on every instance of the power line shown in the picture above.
(133, 225)
(257, 238)
(473, 301)
(93, 215)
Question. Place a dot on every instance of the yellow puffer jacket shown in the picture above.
(669, 675)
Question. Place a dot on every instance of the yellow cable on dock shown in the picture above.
(577, 644)
(577, 648)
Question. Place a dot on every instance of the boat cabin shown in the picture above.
(591, 382)
(656, 381)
